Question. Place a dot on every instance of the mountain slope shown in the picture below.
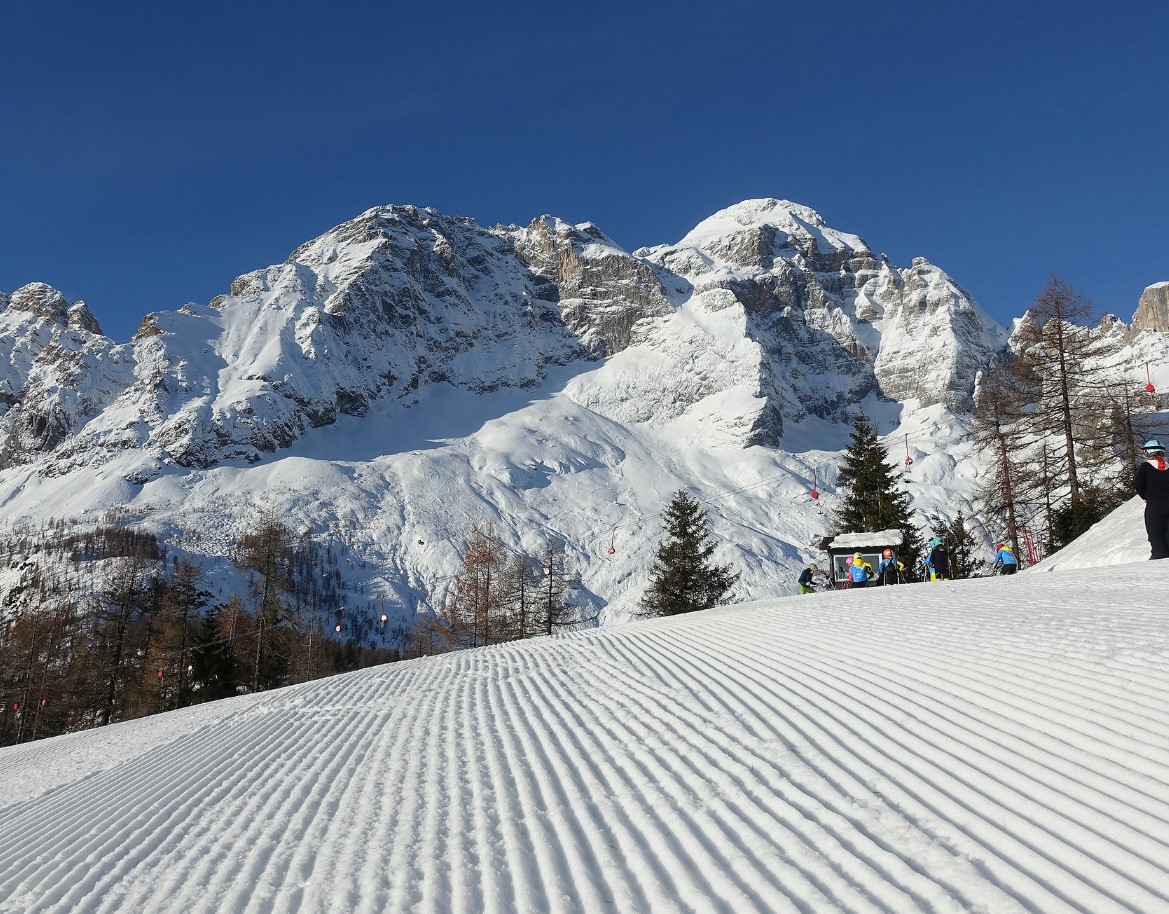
(994, 745)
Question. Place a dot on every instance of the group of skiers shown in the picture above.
(935, 564)
(1151, 483)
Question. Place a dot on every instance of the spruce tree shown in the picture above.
(874, 497)
(683, 578)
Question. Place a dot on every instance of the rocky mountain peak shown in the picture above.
(755, 233)
(1153, 309)
(602, 291)
(42, 300)
(763, 315)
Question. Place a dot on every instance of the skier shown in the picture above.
(938, 560)
(1152, 485)
(1004, 559)
(808, 579)
(860, 571)
(888, 569)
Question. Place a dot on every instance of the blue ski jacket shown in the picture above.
(860, 571)
(1005, 556)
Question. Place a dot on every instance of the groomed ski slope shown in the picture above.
(985, 746)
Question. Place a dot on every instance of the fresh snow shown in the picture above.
(863, 540)
(999, 745)
(1119, 539)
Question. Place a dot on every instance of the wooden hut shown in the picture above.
(869, 545)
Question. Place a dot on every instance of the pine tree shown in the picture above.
(875, 499)
(215, 669)
(683, 578)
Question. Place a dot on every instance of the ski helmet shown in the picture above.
(1153, 446)
(888, 553)
(998, 545)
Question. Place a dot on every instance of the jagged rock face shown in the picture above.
(380, 307)
(56, 371)
(834, 321)
(603, 292)
(44, 301)
(1153, 309)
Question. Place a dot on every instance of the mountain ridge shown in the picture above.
(407, 374)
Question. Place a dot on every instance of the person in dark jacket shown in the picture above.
(807, 579)
(1152, 485)
(888, 569)
(938, 561)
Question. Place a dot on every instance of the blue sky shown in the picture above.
(152, 152)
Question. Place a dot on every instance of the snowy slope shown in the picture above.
(985, 746)
(1119, 539)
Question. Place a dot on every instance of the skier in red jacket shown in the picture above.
(1152, 484)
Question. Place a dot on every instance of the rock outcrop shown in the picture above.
(1153, 309)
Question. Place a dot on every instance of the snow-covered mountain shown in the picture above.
(783, 314)
(998, 745)
(407, 374)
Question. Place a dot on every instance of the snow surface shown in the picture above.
(999, 745)
(866, 540)
(1119, 539)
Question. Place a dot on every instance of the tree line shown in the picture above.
(1059, 423)
(104, 625)
(502, 594)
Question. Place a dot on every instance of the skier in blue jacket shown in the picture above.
(860, 571)
(1004, 559)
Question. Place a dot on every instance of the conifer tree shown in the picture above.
(874, 499)
(553, 607)
(476, 613)
(683, 577)
(216, 671)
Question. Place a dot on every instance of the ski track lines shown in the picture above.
(810, 755)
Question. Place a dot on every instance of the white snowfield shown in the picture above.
(998, 746)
